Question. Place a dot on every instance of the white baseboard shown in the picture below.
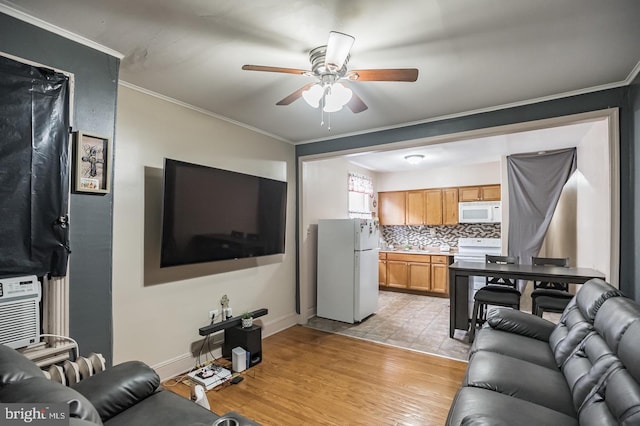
(183, 363)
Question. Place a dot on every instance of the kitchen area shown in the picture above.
(453, 206)
(425, 230)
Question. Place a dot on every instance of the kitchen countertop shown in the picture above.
(428, 250)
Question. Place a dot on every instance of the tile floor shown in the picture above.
(406, 320)
(411, 321)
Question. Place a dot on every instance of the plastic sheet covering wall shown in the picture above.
(34, 170)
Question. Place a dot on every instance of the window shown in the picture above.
(360, 196)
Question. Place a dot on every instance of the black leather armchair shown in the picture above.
(127, 394)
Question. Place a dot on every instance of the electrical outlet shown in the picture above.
(213, 314)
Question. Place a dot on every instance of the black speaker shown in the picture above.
(250, 339)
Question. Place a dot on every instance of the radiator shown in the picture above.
(19, 311)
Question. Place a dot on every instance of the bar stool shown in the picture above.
(496, 292)
(549, 296)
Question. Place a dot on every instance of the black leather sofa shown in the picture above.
(127, 394)
(524, 370)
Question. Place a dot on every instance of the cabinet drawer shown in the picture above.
(409, 257)
(382, 256)
(440, 259)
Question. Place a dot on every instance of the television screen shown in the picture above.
(211, 214)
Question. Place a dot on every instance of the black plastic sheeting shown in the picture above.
(34, 170)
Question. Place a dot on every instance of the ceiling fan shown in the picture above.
(329, 67)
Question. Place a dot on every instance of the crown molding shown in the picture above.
(25, 17)
(200, 110)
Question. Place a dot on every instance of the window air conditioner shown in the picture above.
(19, 311)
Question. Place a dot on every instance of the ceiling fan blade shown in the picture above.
(338, 48)
(295, 95)
(274, 69)
(356, 104)
(390, 74)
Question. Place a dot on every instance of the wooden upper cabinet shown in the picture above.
(415, 208)
(469, 193)
(491, 193)
(479, 193)
(392, 207)
(433, 212)
(438, 206)
(450, 206)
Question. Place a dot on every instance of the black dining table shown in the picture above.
(459, 273)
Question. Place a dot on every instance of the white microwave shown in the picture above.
(479, 212)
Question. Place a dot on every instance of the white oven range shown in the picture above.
(474, 250)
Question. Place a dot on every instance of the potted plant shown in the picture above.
(247, 320)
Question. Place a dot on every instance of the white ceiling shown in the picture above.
(476, 150)
(471, 55)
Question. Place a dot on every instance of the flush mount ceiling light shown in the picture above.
(414, 159)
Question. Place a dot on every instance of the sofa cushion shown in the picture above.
(613, 319)
(628, 351)
(15, 367)
(475, 406)
(118, 388)
(570, 331)
(515, 346)
(41, 389)
(615, 401)
(519, 322)
(520, 379)
(593, 294)
(587, 365)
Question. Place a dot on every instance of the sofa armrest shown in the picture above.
(118, 388)
(41, 389)
(519, 322)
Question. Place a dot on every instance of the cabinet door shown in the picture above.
(491, 193)
(396, 274)
(419, 276)
(382, 273)
(415, 208)
(433, 199)
(440, 278)
(469, 193)
(450, 206)
(392, 207)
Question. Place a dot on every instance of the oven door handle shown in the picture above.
(463, 258)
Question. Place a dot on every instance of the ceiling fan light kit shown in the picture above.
(328, 66)
(414, 159)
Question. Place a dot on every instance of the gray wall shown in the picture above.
(96, 88)
(625, 98)
(634, 203)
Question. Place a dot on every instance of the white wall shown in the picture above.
(593, 225)
(159, 323)
(463, 175)
(324, 196)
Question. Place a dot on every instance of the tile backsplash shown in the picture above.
(423, 235)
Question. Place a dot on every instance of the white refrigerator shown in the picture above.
(347, 270)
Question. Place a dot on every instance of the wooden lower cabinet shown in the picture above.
(416, 272)
(382, 273)
(419, 276)
(439, 278)
(397, 273)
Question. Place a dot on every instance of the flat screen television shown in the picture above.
(211, 214)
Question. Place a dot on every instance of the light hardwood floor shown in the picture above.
(311, 377)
